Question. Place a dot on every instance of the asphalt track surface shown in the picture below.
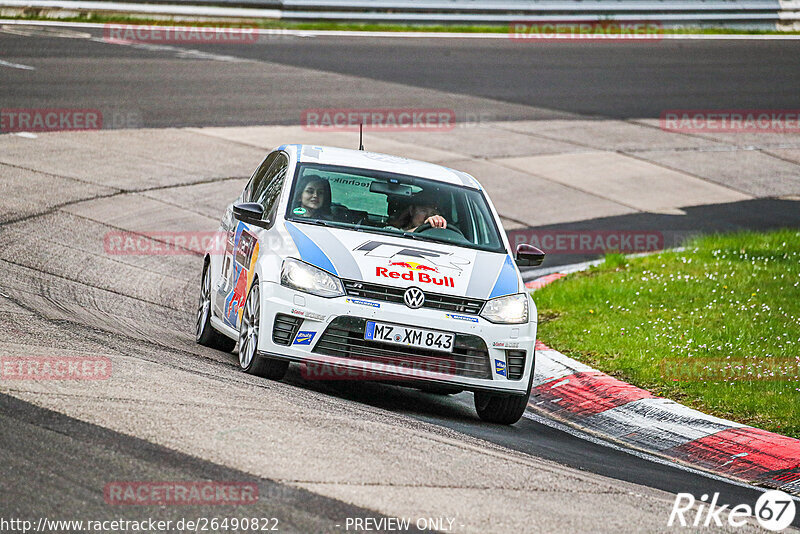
(548, 80)
(244, 84)
(73, 458)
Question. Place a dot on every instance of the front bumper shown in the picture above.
(327, 336)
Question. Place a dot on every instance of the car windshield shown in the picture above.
(379, 202)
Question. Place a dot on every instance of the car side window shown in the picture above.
(272, 186)
(257, 182)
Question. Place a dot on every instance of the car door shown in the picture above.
(242, 250)
(228, 226)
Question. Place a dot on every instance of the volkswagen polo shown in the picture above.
(364, 265)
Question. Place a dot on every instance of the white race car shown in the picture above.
(365, 265)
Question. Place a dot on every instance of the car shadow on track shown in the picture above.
(391, 397)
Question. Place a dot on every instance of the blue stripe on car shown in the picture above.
(346, 265)
(506, 283)
(310, 251)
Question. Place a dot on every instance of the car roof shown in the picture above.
(382, 162)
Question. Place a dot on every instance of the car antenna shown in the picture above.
(361, 136)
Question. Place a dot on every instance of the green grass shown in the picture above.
(344, 26)
(697, 326)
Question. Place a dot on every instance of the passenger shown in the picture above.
(422, 209)
(312, 198)
(396, 208)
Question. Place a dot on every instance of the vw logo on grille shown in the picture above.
(414, 297)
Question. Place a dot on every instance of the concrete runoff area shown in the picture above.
(63, 293)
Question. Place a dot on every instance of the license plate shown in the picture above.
(409, 337)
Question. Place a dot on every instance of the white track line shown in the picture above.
(15, 65)
(182, 53)
(428, 35)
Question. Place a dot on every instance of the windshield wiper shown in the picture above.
(319, 222)
(412, 235)
(347, 226)
(466, 244)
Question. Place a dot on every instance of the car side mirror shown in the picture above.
(529, 256)
(250, 212)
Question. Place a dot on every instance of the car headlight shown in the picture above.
(511, 309)
(304, 277)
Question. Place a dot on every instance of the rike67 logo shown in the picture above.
(774, 510)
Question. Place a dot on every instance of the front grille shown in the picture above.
(395, 294)
(285, 328)
(344, 338)
(515, 364)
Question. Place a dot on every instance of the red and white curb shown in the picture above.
(594, 402)
(544, 280)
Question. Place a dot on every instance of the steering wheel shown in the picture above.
(424, 227)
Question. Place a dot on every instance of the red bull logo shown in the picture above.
(420, 277)
(413, 266)
(238, 296)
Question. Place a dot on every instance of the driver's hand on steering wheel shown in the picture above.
(437, 221)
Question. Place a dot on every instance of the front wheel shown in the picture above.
(501, 409)
(249, 360)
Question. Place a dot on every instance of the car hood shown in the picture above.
(403, 262)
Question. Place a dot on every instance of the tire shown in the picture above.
(500, 409)
(249, 360)
(204, 332)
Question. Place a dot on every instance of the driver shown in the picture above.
(422, 209)
(312, 197)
